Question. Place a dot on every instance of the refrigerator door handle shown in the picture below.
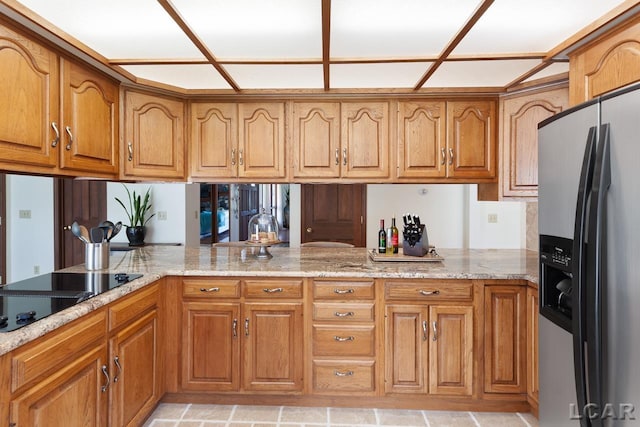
(597, 274)
(579, 272)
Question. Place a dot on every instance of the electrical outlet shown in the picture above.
(24, 213)
(162, 215)
(36, 269)
(492, 218)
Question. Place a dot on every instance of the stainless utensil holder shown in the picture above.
(96, 256)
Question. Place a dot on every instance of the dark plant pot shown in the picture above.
(136, 235)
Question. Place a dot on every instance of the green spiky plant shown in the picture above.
(138, 208)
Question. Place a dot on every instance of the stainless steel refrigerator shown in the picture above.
(589, 225)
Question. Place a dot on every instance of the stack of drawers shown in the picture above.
(344, 337)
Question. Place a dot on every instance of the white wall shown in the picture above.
(29, 240)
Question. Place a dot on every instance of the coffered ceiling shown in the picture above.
(408, 45)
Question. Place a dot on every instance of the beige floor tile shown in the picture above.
(449, 419)
(394, 417)
(165, 424)
(528, 417)
(208, 412)
(265, 414)
(352, 416)
(239, 425)
(213, 424)
(493, 419)
(190, 424)
(169, 411)
(302, 415)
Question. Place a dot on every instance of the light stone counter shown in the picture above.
(155, 262)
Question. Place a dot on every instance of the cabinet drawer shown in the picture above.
(344, 290)
(343, 341)
(429, 290)
(210, 288)
(132, 306)
(273, 288)
(331, 376)
(343, 312)
(51, 353)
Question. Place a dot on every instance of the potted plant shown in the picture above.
(137, 214)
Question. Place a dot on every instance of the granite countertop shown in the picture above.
(155, 262)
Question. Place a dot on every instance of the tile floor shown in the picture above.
(196, 415)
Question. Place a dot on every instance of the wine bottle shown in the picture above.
(392, 237)
(382, 238)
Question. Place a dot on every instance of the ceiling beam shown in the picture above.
(477, 14)
(326, 41)
(535, 70)
(175, 15)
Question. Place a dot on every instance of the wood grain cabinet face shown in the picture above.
(316, 140)
(214, 140)
(421, 140)
(154, 136)
(532, 345)
(261, 149)
(471, 139)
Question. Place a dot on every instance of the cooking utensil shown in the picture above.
(80, 231)
(97, 235)
(116, 229)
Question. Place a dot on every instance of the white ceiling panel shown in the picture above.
(531, 26)
(243, 29)
(119, 28)
(386, 75)
(395, 28)
(183, 76)
(276, 76)
(479, 73)
(551, 70)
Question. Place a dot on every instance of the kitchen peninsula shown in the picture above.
(309, 326)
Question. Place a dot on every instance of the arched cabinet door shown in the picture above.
(365, 139)
(316, 140)
(214, 140)
(261, 140)
(154, 137)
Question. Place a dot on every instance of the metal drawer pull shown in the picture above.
(106, 375)
(130, 149)
(343, 374)
(246, 327)
(234, 327)
(427, 293)
(424, 330)
(270, 291)
(116, 360)
(54, 143)
(344, 156)
(210, 290)
(346, 314)
(444, 156)
(343, 291)
(450, 156)
(337, 156)
(240, 159)
(233, 157)
(343, 339)
(68, 129)
(434, 325)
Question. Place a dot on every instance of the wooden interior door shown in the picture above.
(82, 201)
(334, 212)
(248, 200)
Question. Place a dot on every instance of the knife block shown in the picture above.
(420, 248)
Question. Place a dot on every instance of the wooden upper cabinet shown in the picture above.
(261, 140)
(471, 139)
(214, 140)
(89, 140)
(519, 138)
(421, 139)
(316, 140)
(364, 139)
(29, 102)
(608, 63)
(154, 137)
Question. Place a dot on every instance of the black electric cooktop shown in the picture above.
(29, 300)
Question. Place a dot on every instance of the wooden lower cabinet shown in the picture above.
(429, 349)
(532, 347)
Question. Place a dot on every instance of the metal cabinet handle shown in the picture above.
(444, 156)
(272, 290)
(116, 360)
(424, 330)
(346, 314)
(343, 291)
(68, 129)
(233, 157)
(434, 326)
(343, 374)
(246, 327)
(450, 156)
(337, 156)
(234, 328)
(427, 293)
(240, 159)
(210, 290)
(106, 375)
(54, 143)
(130, 148)
(344, 339)
(344, 156)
